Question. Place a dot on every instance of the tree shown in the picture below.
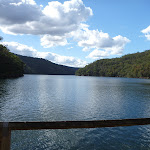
(10, 64)
(132, 65)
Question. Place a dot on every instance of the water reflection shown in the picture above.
(48, 98)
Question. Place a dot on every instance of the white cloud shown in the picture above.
(55, 23)
(48, 41)
(20, 49)
(70, 47)
(65, 60)
(54, 20)
(17, 12)
(94, 39)
(98, 54)
(25, 50)
(146, 32)
(101, 42)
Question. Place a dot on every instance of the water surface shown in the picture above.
(58, 98)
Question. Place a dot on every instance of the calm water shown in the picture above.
(56, 98)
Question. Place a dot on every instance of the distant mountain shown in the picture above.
(10, 65)
(132, 65)
(42, 66)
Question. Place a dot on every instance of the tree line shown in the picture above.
(132, 66)
(43, 66)
(10, 65)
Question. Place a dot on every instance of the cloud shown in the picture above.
(70, 47)
(54, 20)
(15, 12)
(25, 50)
(101, 42)
(146, 32)
(65, 60)
(48, 41)
(94, 39)
(57, 22)
(98, 54)
(20, 49)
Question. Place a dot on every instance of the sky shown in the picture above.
(75, 32)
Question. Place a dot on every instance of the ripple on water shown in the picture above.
(54, 98)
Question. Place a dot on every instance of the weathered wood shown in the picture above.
(77, 124)
(5, 137)
(5, 127)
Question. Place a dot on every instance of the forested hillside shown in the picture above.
(10, 65)
(132, 65)
(42, 66)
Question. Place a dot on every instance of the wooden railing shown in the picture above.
(6, 127)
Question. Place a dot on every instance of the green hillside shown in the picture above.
(10, 65)
(42, 66)
(132, 66)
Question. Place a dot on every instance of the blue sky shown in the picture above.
(75, 32)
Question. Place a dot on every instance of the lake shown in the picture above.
(59, 98)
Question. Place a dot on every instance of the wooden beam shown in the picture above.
(5, 127)
(77, 124)
(5, 137)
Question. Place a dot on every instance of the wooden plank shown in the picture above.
(5, 137)
(5, 127)
(77, 124)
